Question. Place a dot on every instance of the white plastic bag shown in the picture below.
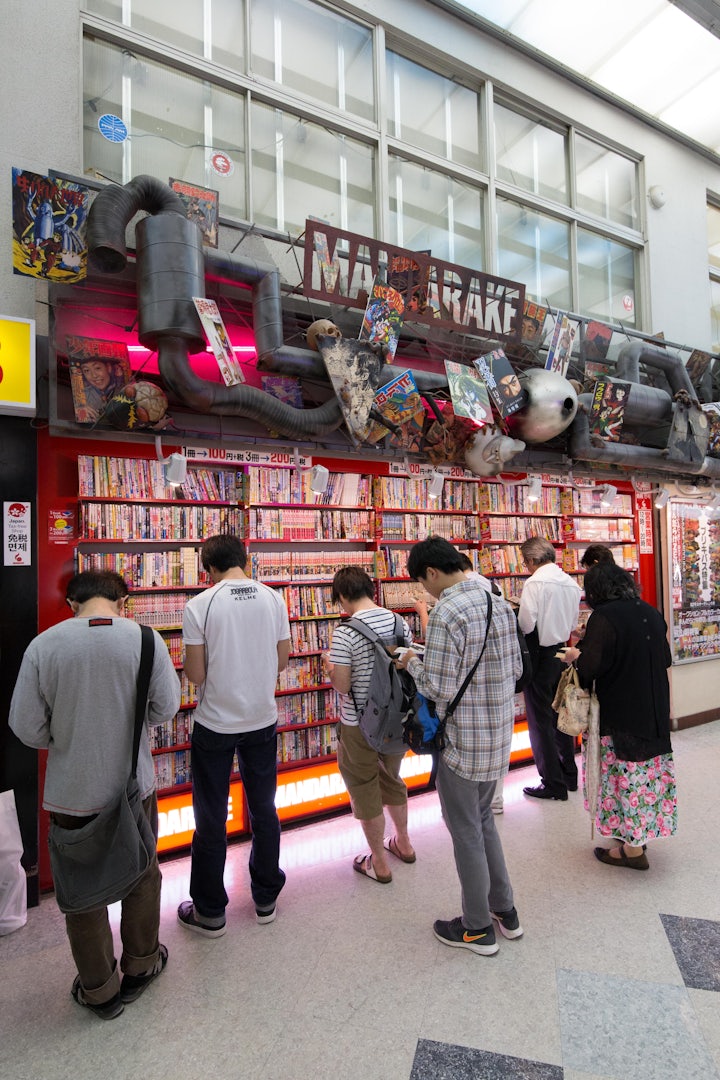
(13, 883)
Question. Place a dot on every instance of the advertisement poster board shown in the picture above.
(694, 534)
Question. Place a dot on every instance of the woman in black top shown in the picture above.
(625, 652)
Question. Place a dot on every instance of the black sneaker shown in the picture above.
(268, 914)
(132, 986)
(106, 1010)
(508, 923)
(189, 918)
(455, 934)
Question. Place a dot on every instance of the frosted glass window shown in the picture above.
(606, 183)
(715, 315)
(174, 120)
(713, 231)
(535, 249)
(307, 48)
(432, 112)
(529, 155)
(300, 169)
(429, 210)
(606, 271)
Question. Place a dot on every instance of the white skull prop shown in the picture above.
(551, 408)
(321, 326)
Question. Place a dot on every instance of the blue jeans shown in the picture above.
(211, 763)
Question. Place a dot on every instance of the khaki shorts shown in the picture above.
(372, 779)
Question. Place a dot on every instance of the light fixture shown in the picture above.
(175, 465)
(319, 479)
(534, 489)
(435, 487)
(608, 494)
(661, 499)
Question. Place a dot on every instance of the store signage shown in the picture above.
(17, 521)
(423, 470)
(61, 526)
(455, 298)
(222, 163)
(17, 366)
(176, 821)
(695, 567)
(112, 128)
(645, 525)
(277, 459)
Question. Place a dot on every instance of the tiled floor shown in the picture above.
(616, 978)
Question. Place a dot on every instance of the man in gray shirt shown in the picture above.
(75, 697)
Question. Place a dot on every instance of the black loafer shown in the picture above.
(541, 792)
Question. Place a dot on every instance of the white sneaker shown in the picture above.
(497, 806)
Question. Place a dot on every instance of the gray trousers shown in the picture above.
(479, 858)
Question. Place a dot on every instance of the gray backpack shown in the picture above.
(389, 694)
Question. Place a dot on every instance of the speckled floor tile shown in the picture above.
(663, 1037)
(444, 1061)
(696, 945)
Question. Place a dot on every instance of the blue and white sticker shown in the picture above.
(112, 128)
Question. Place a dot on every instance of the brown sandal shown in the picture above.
(633, 862)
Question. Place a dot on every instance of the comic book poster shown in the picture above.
(713, 415)
(469, 393)
(98, 371)
(689, 434)
(498, 374)
(411, 280)
(607, 412)
(219, 341)
(354, 371)
(593, 372)
(697, 364)
(285, 388)
(201, 206)
(533, 323)
(694, 535)
(400, 402)
(383, 317)
(49, 220)
(561, 343)
(596, 341)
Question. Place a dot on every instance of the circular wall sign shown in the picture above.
(222, 164)
(112, 128)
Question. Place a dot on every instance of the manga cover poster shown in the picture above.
(689, 434)
(713, 415)
(400, 402)
(98, 371)
(410, 279)
(219, 341)
(561, 343)
(354, 371)
(49, 221)
(283, 387)
(201, 206)
(533, 323)
(592, 373)
(596, 341)
(503, 385)
(383, 317)
(469, 393)
(607, 412)
(697, 364)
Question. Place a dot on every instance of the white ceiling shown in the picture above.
(648, 53)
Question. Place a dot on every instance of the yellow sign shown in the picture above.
(17, 366)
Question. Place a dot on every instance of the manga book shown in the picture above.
(399, 401)
(713, 415)
(201, 206)
(561, 343)
(469, 393)
(593, 372)
(283, 387)
(49, 221)
(503, 385)
(689, 433)
(98, 371)
(219, 341)
(697, 364)
(596, 341)
(607, 412)
(383, 316)
(411, 280)
(533, 323)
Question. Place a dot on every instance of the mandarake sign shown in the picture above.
(340, 268)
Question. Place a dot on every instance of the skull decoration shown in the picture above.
(321, 326)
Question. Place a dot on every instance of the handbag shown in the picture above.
(423, 730)
(573, 704)
(101, 861)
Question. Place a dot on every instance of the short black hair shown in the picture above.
(596, 553)
(606, 581)
(352, 583)
(223, 552)
(91, 584)
(466, 561)
(435, 552)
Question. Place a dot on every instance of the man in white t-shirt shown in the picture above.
(237, 639)
(372, 779)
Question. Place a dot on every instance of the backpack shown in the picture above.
(390, 692)
(527, 670)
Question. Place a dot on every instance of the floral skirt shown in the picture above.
(637, 800)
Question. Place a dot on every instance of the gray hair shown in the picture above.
(538, 550)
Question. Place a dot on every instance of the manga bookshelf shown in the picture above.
(132, 522)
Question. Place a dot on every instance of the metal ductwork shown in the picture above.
(635, 353)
